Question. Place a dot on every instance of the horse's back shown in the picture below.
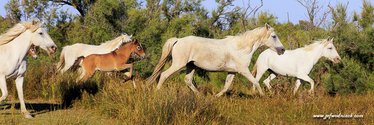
(286, 64)
(208, 54)
(80, 49)
(104, 62)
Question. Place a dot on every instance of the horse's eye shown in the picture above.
(274, 37)
(40, 33)
(138, 47)
(329, 48)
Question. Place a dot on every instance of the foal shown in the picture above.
(113, 61)
(32, 52)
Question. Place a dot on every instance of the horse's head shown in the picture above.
(32, 52)
(137, 48)
(41, 38)
(329, 51)
(272, 40)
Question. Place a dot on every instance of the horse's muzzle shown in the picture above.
(52, 49)
(143, 56)
(280, 50)
(35, 57)
(337, 60)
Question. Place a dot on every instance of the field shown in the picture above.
(104, 99)
(345, 89)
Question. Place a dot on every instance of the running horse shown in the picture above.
(295, 63)
(113, 61)
(232, 54)
(70, 54)
(14, 45)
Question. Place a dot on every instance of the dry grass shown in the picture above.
(104, 99)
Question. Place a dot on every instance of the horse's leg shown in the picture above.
(261, 69)
(3, 88)
(68, 65)
(305, 77)
(189, 77)
(85, 74)
(298, 83)
(19, 85)
(82, 72)
(268, 79)
(228, 82)
(245, 72)
(129, 74)
(175, 66)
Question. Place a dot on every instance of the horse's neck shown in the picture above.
(124, 51)
(247, 53)
(20, 45)
(111, 45)
(315, 54)
(255, 46)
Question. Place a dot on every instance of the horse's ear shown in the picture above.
(135, 41)
(41, 24)
(35, 21)
(267, 26)
(328, 38)
(332, 39)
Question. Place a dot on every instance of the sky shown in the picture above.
(279, 8)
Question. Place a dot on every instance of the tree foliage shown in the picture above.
(154, 21)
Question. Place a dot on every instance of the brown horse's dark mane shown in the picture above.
(120, 46)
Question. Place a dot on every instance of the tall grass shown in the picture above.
(105, 95)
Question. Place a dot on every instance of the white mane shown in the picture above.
(18, 29)
(117, 42)
(250, 37)
(311, 47)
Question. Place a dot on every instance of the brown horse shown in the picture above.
(113, 61)
(32, 52)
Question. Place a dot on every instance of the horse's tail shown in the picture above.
(62, 59)
(254, 70)
(166, 50)
(77, 63)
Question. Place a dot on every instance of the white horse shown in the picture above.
(232, 54)
(296, 63)
(71, 53)
(14, 45)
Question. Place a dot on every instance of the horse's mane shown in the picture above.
(121, 45)
(311, 47)
(249, 38)
(18, 29)
(116, 43)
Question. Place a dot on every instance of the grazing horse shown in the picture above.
(232, 54)
(32, 52)
(296, 63)
(70, 53)
(14, 45)
(113, 61)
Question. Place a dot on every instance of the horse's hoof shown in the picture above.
(28, 116)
